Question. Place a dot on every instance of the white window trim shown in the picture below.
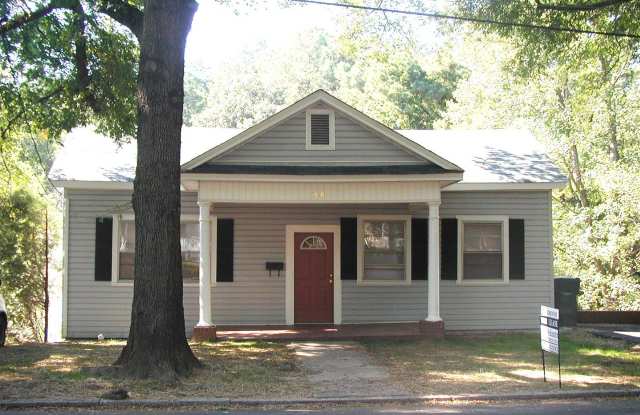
(115, 252)
(407, 249)
(332, 130)
(504, 220)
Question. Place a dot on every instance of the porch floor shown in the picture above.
(319, 331)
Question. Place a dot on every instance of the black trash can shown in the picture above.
(566, 299)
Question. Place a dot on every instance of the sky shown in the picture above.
(219, 32)
(218, 26)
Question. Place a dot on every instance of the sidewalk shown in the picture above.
(215, 402)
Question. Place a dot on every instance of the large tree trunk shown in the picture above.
(157, 345)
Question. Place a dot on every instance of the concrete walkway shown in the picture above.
(343, 369)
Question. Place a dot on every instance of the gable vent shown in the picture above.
(320, 129)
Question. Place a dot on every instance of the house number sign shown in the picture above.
(550, 337)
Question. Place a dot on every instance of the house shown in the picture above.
(320, 214)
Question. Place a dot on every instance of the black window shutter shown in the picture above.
(348, 248)
(449, 249)
(419, 242)
(104, 228)
(224, 261)
(516, 249)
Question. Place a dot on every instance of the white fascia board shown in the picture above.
(469, 187)
(309, 100)
(92, 185)
(293, 178)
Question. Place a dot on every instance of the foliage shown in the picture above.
(601, 243)
(24, 199)
(70, 67)
(22, 260)
(391, 85)
(580, 95)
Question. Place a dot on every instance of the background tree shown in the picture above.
(393, 85)
(580, 98)
(23, 204)
(71, 62)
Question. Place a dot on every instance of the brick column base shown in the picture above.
(434, 329)
(204, 333)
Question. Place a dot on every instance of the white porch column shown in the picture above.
(204, 297)
(433, 300)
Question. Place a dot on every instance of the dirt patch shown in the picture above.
(232, 369)
(339, 369)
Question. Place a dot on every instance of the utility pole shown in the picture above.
(46, 275)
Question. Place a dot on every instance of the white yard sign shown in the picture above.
(550, 336)
(549, 312)
(549, 318)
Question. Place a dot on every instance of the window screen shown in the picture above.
(482, 255)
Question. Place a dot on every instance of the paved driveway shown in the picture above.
(627, 332)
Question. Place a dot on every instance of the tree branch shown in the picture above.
(580, 7)
(83, 77)
(123, 13)
(5, 131)
(25, 18)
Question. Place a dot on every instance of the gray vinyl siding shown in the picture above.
(515, 305)
(98, 306)
(285, 143)
(255, 298)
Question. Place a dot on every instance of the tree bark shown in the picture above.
(577, 175)
(157, 345)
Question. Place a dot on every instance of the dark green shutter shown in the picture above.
(516, 249)
(224, 261)
(348, 248)
(104, 238)
(449, 249)
(419, 242)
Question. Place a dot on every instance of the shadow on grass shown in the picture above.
(80, 369)
(506, 362)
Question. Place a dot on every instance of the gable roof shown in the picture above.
(320, 96)
(506, 158)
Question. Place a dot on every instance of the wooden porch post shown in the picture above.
(433, 300)
(205, 329)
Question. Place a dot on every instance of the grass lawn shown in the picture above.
(506, 363)
(232, 369)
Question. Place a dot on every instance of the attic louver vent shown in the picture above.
(320, 129)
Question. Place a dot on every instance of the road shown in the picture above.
(583, 407)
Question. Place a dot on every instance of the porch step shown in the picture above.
(327, 332)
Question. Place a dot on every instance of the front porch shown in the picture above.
(281, 214)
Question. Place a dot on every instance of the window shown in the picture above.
(320, 130)
(484, 249)
(190, 249)
(384, 251)
(126, 250)
(189, 246)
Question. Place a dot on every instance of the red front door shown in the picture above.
(313, 277)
